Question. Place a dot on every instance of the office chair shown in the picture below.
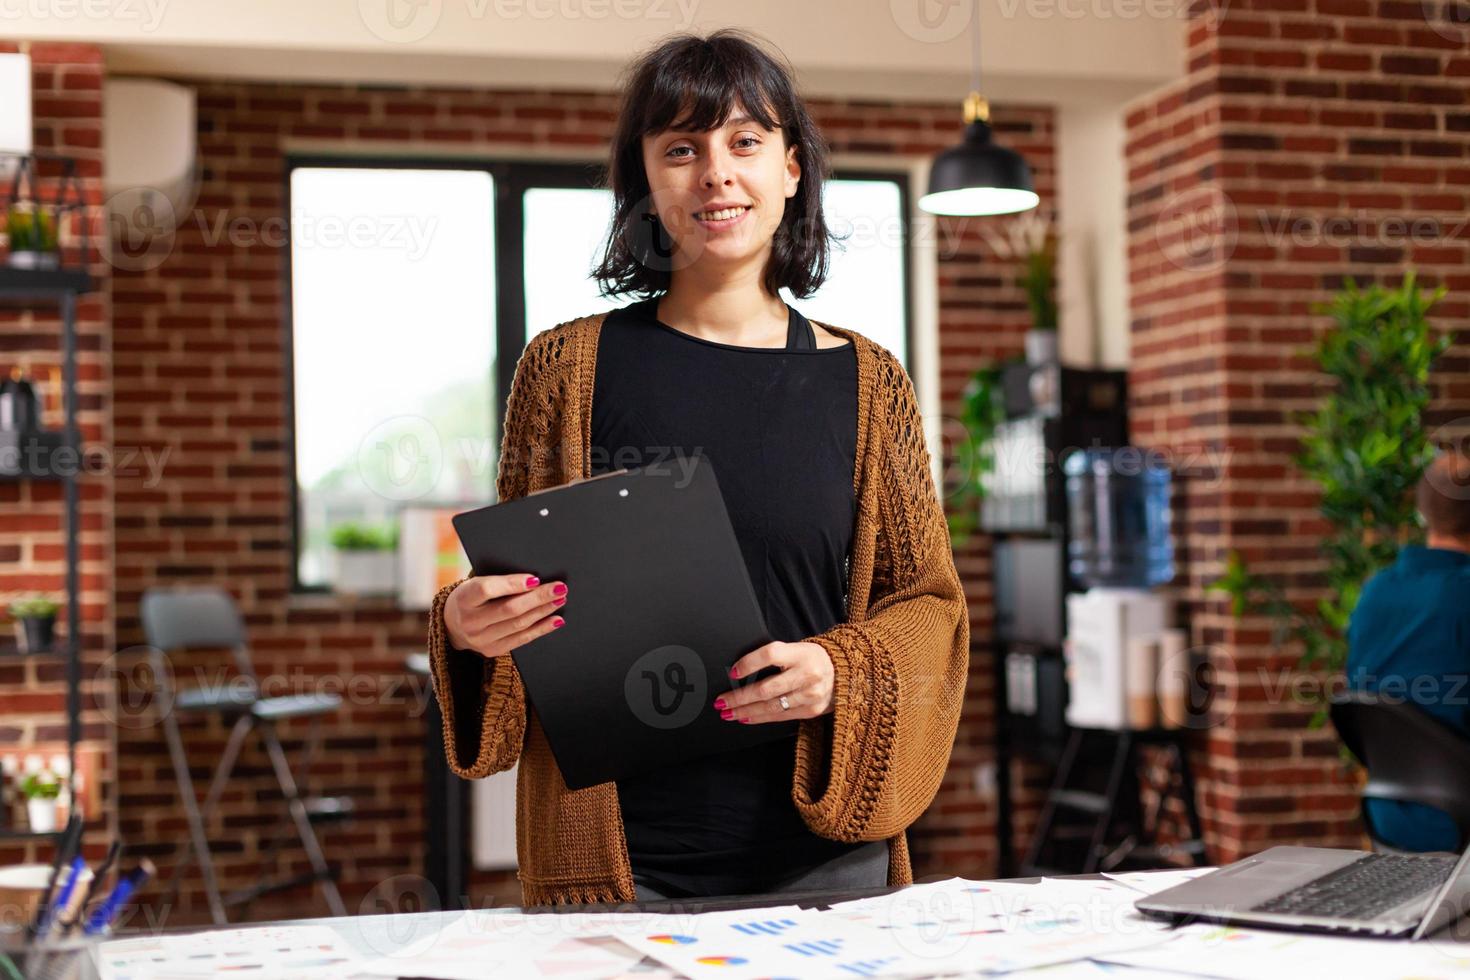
(1410, 755)
(207, 617)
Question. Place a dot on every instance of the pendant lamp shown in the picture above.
(978, 177)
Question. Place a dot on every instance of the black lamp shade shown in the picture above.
(978, 177)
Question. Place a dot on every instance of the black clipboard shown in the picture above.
(659, 605)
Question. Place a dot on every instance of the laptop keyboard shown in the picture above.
(1367, 888)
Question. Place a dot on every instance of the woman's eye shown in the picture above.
(743, 139)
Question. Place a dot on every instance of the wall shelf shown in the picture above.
(60, 289)
(31, 284)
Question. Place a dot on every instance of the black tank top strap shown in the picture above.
(799, 332)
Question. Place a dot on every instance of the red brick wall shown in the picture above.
(201, 375)
(67, 112)
(1293, 113)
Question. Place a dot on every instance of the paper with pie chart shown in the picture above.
(771, 942)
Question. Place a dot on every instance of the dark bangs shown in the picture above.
(692, 84)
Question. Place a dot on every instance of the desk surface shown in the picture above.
(379, 934)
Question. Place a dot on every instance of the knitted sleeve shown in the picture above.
(868, 770)
(482, 700)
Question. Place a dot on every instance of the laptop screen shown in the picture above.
(1450, 902)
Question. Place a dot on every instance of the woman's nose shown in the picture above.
(717, 170)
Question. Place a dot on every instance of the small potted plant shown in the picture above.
(41, 791)
(35, 623)
(32, 234)
(365, 558)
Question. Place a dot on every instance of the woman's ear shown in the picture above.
(793, 172)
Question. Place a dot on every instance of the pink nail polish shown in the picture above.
(532, 582)
(558, 602)
(734, 672)
(558, 623)
(745, 721)
(727, 714)
(559, 589)
(719, 702)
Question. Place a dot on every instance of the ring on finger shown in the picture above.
(785, 705)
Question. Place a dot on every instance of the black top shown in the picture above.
(779, 427)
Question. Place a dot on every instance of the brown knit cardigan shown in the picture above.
(864, 772)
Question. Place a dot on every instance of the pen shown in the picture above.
(97, 878)
(63, 897)
(65, 847)
(101, 920)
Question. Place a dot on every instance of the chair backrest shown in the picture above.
(1410, 755)
(195, 616)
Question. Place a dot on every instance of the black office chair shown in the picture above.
(207, 617)
(1410, 755)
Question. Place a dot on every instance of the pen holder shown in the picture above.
(21, 888)
(70, 958)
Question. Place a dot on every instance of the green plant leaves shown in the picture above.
(1365, 448)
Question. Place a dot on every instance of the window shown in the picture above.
(393, 344)
(414, 288)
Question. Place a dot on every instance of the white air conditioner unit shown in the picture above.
(150, 170)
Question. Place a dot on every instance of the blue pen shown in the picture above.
(101, 920)
(63, 897)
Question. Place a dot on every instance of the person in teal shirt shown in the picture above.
(1409, 638)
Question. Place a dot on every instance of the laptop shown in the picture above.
(661, 604)
(1320, 889)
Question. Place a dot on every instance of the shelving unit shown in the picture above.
(62, 288)
(1025, 512)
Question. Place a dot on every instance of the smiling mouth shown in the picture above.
(721, 215)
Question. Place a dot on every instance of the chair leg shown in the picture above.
(198, 839)
(303, 822)
(278, 836)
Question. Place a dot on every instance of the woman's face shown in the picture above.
(742, 163)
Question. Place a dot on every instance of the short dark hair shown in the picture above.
(708, 75)
(1443, 494)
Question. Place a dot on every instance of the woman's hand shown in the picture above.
(806, 680)
(494, 614)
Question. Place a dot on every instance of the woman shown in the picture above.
(815, 436)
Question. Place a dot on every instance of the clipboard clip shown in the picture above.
(580, 479)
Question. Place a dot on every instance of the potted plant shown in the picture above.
(982, 410)
(1033, 241)
(41, 791)
(365, 558)
(35, 623)
(32, 234)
